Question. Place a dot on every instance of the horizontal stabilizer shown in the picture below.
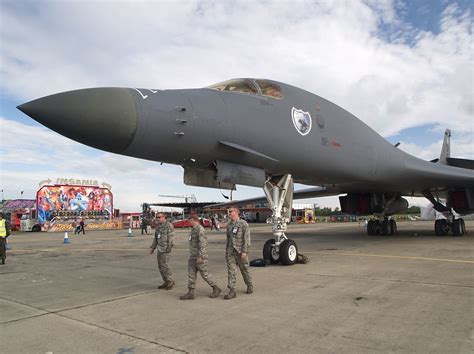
(461, 163)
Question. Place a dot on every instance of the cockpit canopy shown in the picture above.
(251, 86)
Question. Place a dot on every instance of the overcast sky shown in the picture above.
(403, 67)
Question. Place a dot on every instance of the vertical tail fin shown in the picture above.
(446, 149)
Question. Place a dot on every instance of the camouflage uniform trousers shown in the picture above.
(3, 248)
(163, 265)
(193, 267)
(233, 259)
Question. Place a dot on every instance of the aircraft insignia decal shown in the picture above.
(301, 120)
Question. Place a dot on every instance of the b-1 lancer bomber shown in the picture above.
(268, 134)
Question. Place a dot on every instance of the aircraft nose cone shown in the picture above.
(104, 118)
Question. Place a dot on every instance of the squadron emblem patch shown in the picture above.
(301, 120)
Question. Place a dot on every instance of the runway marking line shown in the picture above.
(390, 256)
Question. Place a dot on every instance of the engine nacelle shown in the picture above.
(395, 206)
(366, 204)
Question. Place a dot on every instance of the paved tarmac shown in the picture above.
(410, 293)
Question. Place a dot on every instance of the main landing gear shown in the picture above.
(279, 193)
(382, 226)
(450, 224)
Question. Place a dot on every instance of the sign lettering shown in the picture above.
(78, 182)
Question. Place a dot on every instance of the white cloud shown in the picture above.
(461, 147)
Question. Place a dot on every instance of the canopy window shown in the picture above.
(270, 89)
(251, 86)
(236, 85)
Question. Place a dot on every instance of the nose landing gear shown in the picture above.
(279, 195)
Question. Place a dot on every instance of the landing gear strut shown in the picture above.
(444, 226)
(279, 195)
(382, 226)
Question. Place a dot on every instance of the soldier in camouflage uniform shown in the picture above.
(163, 241)
(237, 248)
(198, 260)
(144, 225)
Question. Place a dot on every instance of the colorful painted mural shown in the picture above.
(73, 201)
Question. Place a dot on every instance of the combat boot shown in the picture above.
(170, 285)
(215, 292)
(230, 295)
(163, 286)
(249, 289)
(188, 296)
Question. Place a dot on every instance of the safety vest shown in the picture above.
(3, 228)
